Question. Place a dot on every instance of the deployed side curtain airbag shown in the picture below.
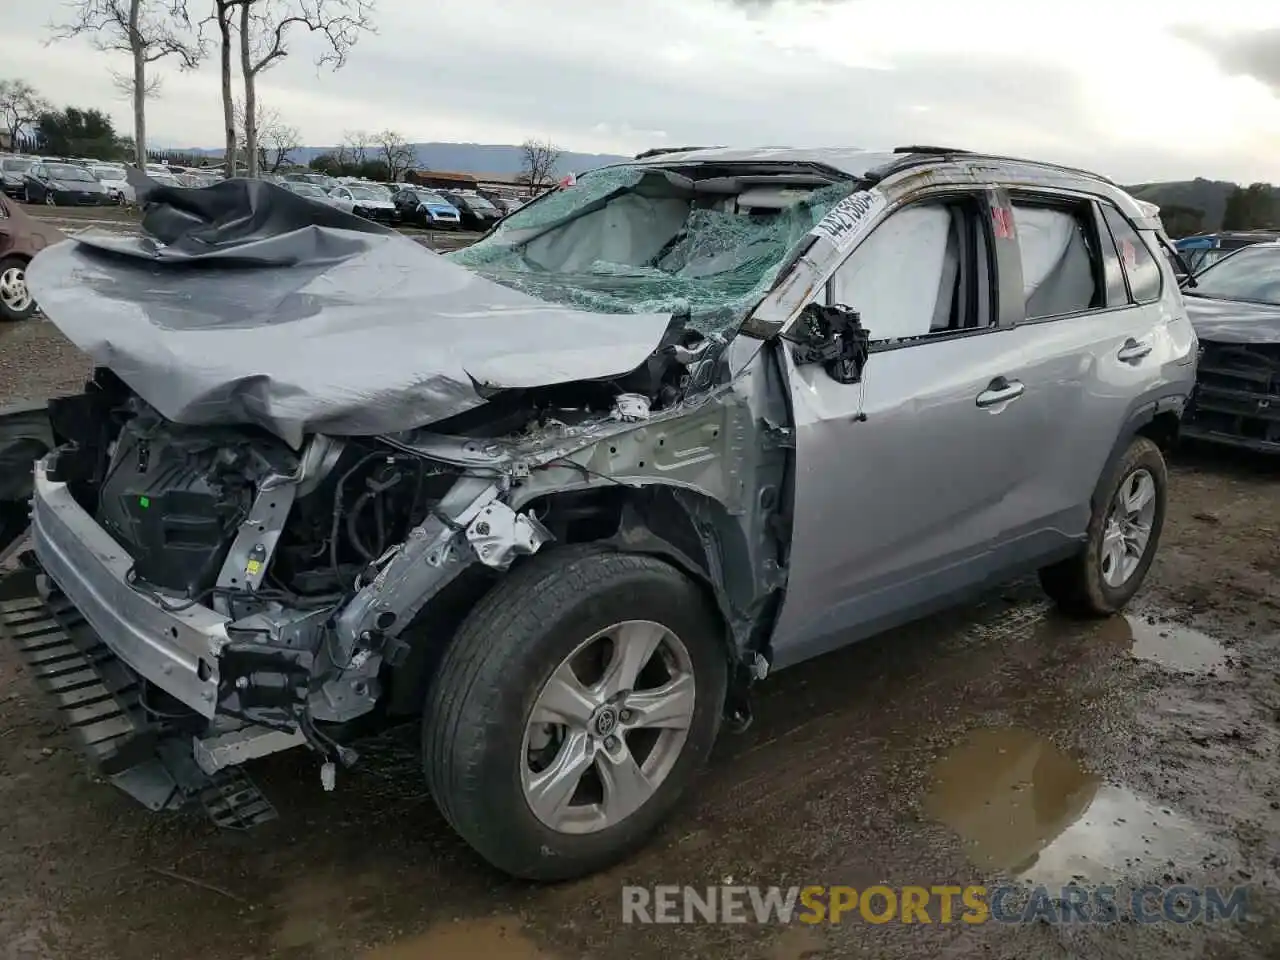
(1057, 275)
(894, 278)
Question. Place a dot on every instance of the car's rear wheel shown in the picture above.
(573, 708)
(16, 302)
(1124, 532)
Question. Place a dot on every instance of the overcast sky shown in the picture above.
(1137, 89)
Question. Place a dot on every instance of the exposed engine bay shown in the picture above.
(327, 567)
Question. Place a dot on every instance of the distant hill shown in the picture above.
(1199, 194)
(466, 157)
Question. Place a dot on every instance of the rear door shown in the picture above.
(909, 482)
(1084, 343)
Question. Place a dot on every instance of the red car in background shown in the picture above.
(21, 238)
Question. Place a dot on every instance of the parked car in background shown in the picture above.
(323, 181)
(1204, 250)
(21, 238)
(477, 212)
(616, 464)
(312, 192)
(1234, 305)
(63, 184)
(426, 207)
(368, 200)
(114, 177)
(13, 172)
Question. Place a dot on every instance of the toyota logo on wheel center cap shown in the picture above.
(606, 721)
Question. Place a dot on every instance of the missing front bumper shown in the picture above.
(100, 700)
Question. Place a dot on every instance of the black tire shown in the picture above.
(7, 313)
(492, 672)
(1076, 585)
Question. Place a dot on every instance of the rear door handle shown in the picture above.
(1133, 351)
(1000, 390)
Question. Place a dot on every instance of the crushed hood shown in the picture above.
(242, 303)
(1233, 321)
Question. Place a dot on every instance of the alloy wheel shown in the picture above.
(607, 727)
(13, 290)
(1127, 533)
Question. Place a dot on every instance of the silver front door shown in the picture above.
(907, 479)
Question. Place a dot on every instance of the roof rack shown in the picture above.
(932, 150)
(914, 156)
(659, 151)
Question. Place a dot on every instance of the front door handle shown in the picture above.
(1133, 351)
(1000, 390)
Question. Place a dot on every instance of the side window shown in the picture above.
(1139, 265)
(917, 273)
(1061, 267)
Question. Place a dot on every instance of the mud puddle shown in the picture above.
(491, 938)
(1173, 646)
(1025, 808)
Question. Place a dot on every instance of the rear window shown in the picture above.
(1141, 268)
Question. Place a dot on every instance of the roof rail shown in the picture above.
(915, 159)
(926, 149)
(659, 151)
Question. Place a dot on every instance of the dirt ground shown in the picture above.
(996, 741)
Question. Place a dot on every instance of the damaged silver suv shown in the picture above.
(571, 492)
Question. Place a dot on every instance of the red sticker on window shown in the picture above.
(1128, 253)
(1002, 218)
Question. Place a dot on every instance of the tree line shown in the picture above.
(250, 36)
(1255, 207)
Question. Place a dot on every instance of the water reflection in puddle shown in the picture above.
(1173, 646)
(1025, 808)
(492, 938)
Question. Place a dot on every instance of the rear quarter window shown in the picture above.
(1140, 266)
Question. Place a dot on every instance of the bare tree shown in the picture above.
(20, 105)
(123, 82)
(147, 30)
(265, 26)
(395, 152)
(223, 17)
(276, 139)
(539, 161)
(354, 149)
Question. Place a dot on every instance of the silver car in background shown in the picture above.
(573, 492)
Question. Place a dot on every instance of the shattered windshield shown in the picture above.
(641, 240)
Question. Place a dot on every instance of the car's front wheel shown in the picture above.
(15, 299)
(1124, 532)
(572, 709)
(49, 199)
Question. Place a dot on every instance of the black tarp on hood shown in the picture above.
(1232, 321)
(244, 303)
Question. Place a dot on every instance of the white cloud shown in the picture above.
(1123, 86)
